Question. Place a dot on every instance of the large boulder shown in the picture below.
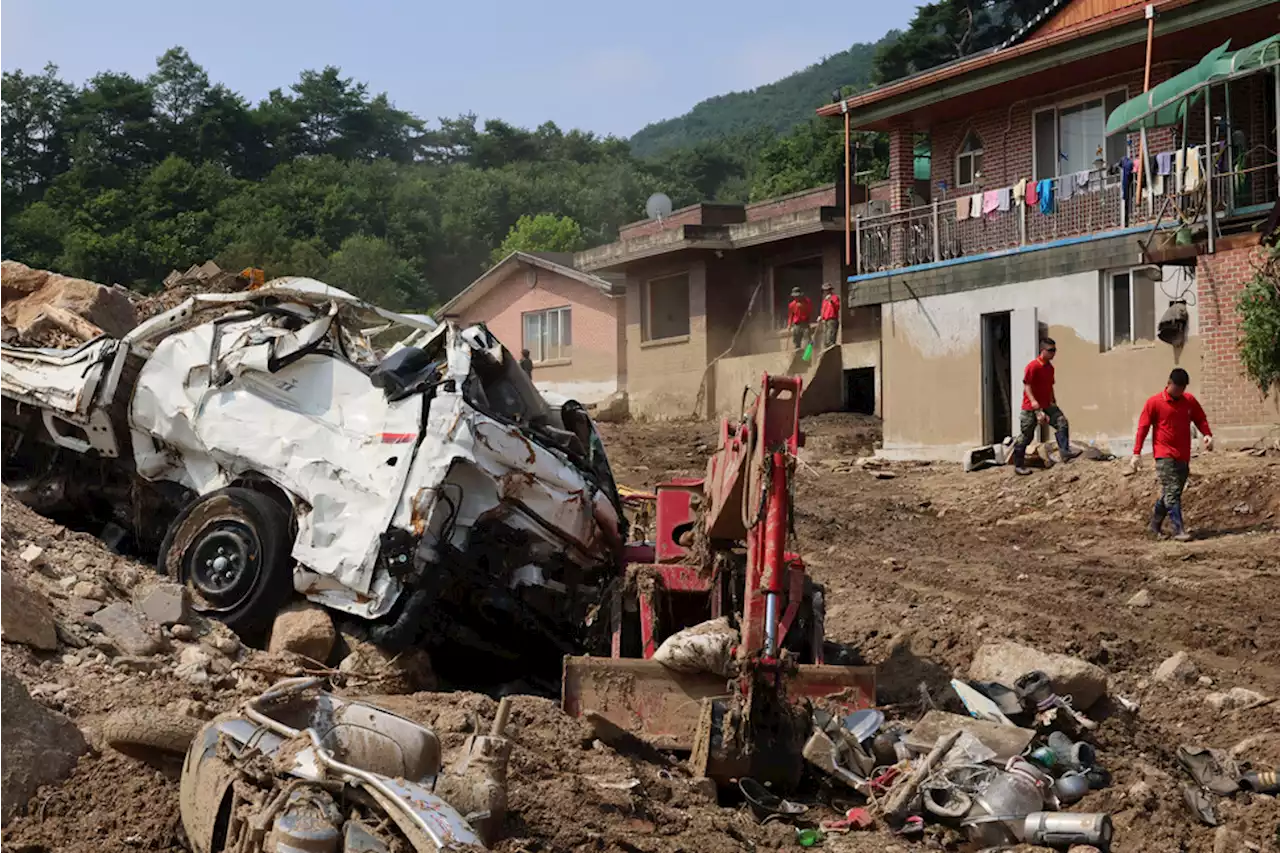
(1004, 661)
(40, 746)
(128, 630)
(62, 303)
(305, 629)
(25, 617)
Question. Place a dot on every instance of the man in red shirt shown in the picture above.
(1040, 406)
(829, 315)
(799, 312)
(1169, 416)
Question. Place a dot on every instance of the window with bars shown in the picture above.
(547, 334)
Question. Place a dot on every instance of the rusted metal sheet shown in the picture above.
(649, 700)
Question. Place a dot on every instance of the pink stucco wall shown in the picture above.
(597, 362)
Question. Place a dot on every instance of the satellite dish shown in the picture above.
(658, 206)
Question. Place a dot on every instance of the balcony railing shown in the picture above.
(1084, 204)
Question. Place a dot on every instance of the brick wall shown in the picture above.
(1228, 397)
(695, 214)
(793, 203)
(595, 354)
(1007, 135)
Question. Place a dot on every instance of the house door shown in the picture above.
(996, 377)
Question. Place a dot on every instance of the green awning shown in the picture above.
(1166, 103)
(1140, 112)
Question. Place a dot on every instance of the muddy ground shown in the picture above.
(920, 567)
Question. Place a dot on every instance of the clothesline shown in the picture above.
(1182, 165)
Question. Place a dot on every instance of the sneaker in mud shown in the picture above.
(1022, 471)
(1214, 770)
(1181, 536)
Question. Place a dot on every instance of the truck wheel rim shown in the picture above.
(224, 564)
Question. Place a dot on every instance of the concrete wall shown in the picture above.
(596, 361)
(663, 376)
(932, 370)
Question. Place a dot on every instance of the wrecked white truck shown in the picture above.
(294, 438)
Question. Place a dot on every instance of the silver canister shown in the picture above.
(1062, 829)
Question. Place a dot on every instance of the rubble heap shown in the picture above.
(42, 308)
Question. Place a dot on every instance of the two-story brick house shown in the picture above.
(1037, 225)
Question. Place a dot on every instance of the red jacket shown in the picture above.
(1039, 375)
(799, 311)
(830, 307)
(1171, 418)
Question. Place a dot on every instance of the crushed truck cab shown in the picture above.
(423, 474)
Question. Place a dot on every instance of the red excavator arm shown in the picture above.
(753, 722)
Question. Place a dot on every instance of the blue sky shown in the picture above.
(603, 66)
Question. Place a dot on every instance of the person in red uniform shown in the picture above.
(829, 315)
(799, 313)
(1169, 416)
(1040, 406)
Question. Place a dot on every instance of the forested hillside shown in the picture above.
(122, 179)
(776, 107)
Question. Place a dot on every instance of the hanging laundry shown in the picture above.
(990, 201)
(962, 207)
(1044, 190)
(1066, 187)
(1033, 193)
(975, 206)
(1081, 180)
(1179, 172)
(1020, 194)
(1164, 162)
(1157, 185)
(1003, 198)
(1192, 182)
(1126, 173)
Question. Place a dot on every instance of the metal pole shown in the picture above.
(857, 241)
(1277, 94)
(1229, 149)
(1208, 150)
(937, 255)
(1146, 86)
(848, 192)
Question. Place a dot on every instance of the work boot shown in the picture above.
(1020, 460)
(1064, 447)
(1179, 532)
(1158, 514)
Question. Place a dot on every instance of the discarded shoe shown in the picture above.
(1022, 471)
(1200, 804)
(1213, 769)
(1261, 782)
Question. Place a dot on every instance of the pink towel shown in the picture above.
(1033, 197)
(990, 201)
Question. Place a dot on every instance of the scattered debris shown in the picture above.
(47, 309)
(1004, 662)
(1141, 598)
(166, 604)
(1235, 699)
(128, 630)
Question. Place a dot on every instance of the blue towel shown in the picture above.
(1045, 190)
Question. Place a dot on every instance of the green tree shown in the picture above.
(950, 29)
(35, 136)
(1259, 307)
(545, 232)
(370, 268)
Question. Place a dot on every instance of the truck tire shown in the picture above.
(149, 732)
(230, 548)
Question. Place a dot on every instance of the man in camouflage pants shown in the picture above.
(1169, 416)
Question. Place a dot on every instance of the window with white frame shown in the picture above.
(664, 308)
(547, 334)
(1069, 137)
(969, 160)
(1128, 307)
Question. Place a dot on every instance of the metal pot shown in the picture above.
(1071, 787)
